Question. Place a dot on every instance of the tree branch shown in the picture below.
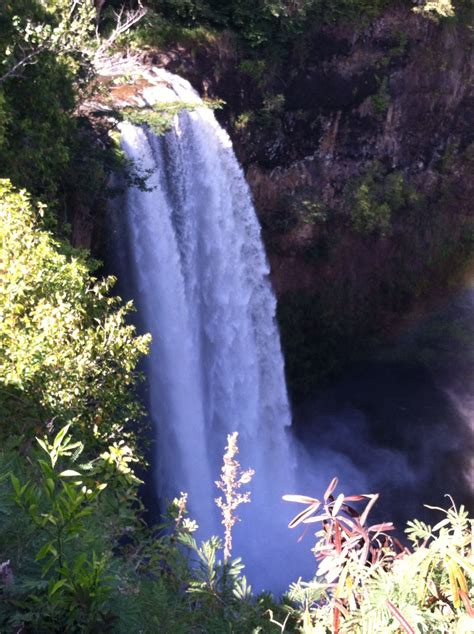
(26, 61)
(124, 22)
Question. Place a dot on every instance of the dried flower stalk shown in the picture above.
(232, 478)
(181, 522)
(180, 504)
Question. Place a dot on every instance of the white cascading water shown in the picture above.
(199, 277)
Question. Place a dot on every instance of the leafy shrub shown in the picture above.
(72, 509)
(273, 23)
(75, 589)
(159, 118)
(48, 49)
(435, 9)
(44, 65)
(368, 215)
(376, 197)
(67, 353)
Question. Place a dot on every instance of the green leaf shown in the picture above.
(79, 562)
(50, 485)
(15, 484)
(70, 473)
(60, 435)
(47, 566)
(462, 561)
(43, 445)
(44, 550)
(59, 584)
(46, 468)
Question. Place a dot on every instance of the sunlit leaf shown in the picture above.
(337, 505)
(330, 489)
(303, 515)
(374, 497)
(302, 499)
(400, 618)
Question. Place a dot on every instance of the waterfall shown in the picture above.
(189, 249)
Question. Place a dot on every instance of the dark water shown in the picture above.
(402, 424)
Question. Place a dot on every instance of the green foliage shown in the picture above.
(44, 64)
(243, 121)
(214, 581)
(67, 353)
(220, 595)
(301, 208)
(368, 215)
(255, 68)
(162, 33)
(381, 99)
(436, 9)
(272, 108)
(58, 504)
(376, 197)
(39, 28)
(64, 502)
(273, 23)
(47, 53)
(159, 118)
(37, 128)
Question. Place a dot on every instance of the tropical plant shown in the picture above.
(75, 584)
(367, 581)
(204, 591)
(219, 583)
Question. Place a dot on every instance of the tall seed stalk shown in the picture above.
(232, 479)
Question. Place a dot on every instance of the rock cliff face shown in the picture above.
(399, 93)
(359, 149)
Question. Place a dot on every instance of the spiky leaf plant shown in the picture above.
(368, 582)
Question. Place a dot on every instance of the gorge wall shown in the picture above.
(358, 145)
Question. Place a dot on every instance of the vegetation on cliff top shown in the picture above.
(274, 24)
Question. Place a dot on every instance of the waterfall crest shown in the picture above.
(191, 254)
